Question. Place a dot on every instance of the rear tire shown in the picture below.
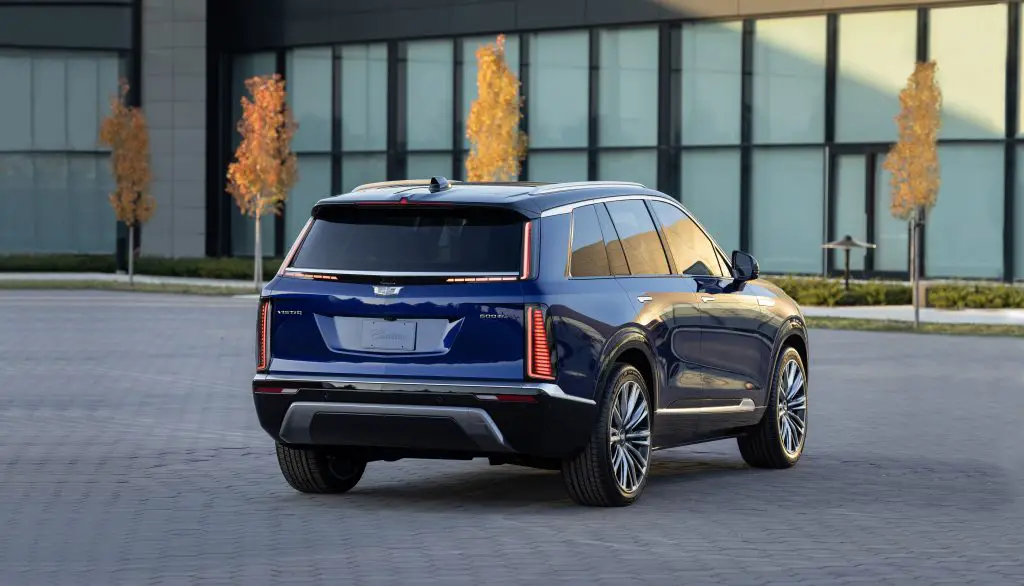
(316, 471)
(778, 440)
(612, 469)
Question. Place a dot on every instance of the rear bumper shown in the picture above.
(424, 418)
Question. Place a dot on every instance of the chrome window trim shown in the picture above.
(569, 207)
(565, 209)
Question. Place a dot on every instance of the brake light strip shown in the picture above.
(538, 350)
(263, 341)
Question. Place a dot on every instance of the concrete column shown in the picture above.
(174, 100)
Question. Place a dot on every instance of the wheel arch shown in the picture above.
(629, 346)
(793, 333)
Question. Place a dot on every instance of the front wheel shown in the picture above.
(778, 440)
(612, 469)
(318, 471)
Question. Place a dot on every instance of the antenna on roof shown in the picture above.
(439, 183)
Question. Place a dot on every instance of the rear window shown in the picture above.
(377, 240)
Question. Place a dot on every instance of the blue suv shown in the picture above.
(566, 326)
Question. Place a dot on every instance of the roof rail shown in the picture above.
(555, 187)
(397, 183)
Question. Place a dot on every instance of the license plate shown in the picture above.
(389, 335)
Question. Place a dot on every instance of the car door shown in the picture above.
(733, 344)
(666, 306)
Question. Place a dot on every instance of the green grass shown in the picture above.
(884, 325)
(121, 286)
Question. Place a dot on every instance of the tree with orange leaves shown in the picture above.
(497, 145)
(914, 161)
(264, 169)
(124, 131)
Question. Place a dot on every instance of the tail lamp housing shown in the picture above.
(540, 358)
(263, 336)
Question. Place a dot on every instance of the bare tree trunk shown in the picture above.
(131, 255)
(914, 277)
(257, 259)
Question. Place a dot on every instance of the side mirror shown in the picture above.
(744, 266)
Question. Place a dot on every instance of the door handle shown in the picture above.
(707, 299)
(644, 298)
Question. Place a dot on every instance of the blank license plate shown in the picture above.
(389, 335)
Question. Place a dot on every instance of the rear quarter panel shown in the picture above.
(584, 313)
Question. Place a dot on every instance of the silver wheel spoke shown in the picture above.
(624, 466)
(617, 463)
(797, 403)
(796, 385)
(637, 458)
(641, 436)
(630, 468)
(639, 415)
(623, 411)
(631, 402)
(796, 424)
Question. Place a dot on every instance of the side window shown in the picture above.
(692, 251)
(639, 237)
(589, 256)
(616, 256)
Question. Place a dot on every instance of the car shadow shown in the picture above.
(709, 482)
(512, 487)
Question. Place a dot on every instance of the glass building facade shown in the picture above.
(54, 175)
(772, 129)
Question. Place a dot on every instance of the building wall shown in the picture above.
(263, 24)
(174, 93)
(772, 129)
(59, 66)
(80, 24)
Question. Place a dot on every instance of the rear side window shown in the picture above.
(589, 257)
(639, 237)
(693, 252)
(413, 239)
(616, 257)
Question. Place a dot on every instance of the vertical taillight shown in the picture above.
(263, 336)
(295, 247)
(527, 269)
(538, 347)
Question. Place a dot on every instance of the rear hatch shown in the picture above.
(404, 291)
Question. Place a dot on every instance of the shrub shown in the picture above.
(830, 292)
(975, 296)
(58, 263)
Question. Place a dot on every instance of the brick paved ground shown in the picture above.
(130, 454)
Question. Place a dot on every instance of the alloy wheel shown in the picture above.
(792, 408)
(629, 437)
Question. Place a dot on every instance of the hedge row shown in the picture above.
(806, 291)
(831, 293)
(206, 268)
